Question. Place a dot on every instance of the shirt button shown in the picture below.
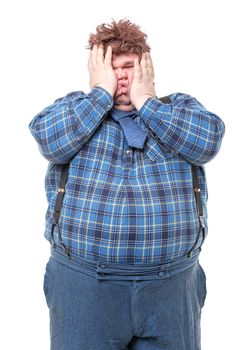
(161, 273)
(103, 266)
(109, 107)
(128, 151)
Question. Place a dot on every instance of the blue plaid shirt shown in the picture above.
(122, 204)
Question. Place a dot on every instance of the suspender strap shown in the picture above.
(196, 189)
(61, 192)
(58, 205)
(165, 99)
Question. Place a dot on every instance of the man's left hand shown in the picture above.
(143, 83)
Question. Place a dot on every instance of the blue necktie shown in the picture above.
(134, 134)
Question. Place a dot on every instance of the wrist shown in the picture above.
(105, 87)
(140, 101)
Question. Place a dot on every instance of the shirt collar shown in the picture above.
(116, 113)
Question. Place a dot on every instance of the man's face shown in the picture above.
(123, 66)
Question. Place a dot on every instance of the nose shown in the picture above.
(121, 73)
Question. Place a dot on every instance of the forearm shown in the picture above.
(63, 128)
(185, 126)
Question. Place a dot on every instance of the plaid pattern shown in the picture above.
(122, 204)
(134, 134)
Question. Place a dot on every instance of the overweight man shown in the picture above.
(127, 203)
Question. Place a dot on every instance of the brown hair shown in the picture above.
(123, 36)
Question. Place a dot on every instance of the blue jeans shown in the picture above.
(107, 306)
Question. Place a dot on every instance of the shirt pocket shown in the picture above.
(155, 152)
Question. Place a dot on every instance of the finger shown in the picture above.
(137, 69)
(89, 60)
(100, 58)
(150, 65)
(94, 55)
(108, 56)
(144, 64)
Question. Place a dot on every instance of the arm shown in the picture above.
(63, 128)
(185, 126)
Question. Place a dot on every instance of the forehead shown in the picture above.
(120, 60)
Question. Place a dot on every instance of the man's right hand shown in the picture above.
(100, 69)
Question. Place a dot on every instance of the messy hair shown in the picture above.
(123, 36)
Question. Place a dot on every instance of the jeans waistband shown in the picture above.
(114, 271)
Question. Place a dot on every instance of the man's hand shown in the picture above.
(143, 83)
(100, 69)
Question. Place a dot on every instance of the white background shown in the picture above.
(202, 48)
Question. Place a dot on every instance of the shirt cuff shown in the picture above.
(102, 97)
(150, 108)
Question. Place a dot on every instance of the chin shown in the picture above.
(123, 100)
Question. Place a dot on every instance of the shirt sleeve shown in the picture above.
(185, 126)
(64, 127)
